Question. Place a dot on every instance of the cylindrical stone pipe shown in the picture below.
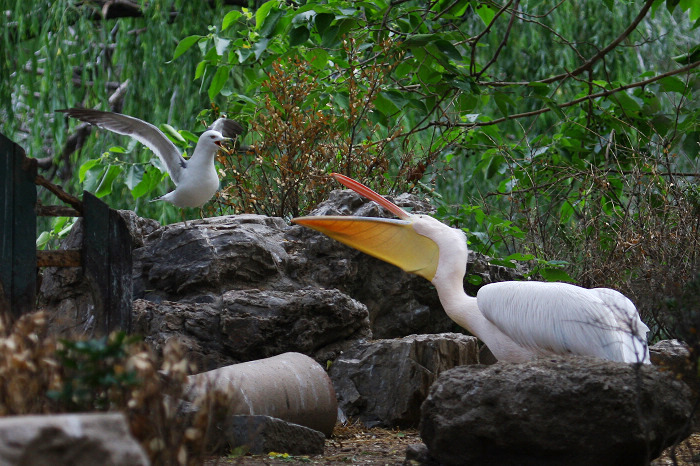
(290, 386)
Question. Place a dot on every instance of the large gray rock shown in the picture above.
(213, 255)
(384, 382)
(69, 440)
(574, 411)
(244, 325)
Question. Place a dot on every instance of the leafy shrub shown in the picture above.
(41, 375)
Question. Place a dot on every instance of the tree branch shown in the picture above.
(573, 102)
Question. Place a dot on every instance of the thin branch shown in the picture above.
(575, 101)
(503, 42)
(475, 40)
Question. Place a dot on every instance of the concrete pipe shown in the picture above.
(290, 386)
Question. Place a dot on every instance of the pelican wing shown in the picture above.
(554, 317)
(143, 132)
(390, 240)
(634, 342)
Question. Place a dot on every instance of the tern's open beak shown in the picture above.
(221, 143)
(393, 241)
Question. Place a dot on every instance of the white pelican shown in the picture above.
(518, 321)
(196, 180)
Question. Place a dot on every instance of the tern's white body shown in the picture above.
(196, 180)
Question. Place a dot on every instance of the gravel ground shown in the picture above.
(355, 444)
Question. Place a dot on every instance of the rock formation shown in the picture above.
(384, 382)
(244, 287)
(574, 411)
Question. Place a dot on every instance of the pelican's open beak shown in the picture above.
(393, 241)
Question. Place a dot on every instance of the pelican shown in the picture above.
(518, 321)
(196, 180)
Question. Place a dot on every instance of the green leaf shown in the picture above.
(134, 175)
(322, 21)
(420, 40)
(230, 18)
(539, 89)
(43, 238)
(502, 262)
(217, 83)
(627, 102)
(298, 35)
(262, 12)
(673, 84)
(85, 167)
(449, 50)
(105, 186)
(260, 46)
(151, 178)
(117, 150)
(566, 211)
(189, 136)
(474, 279)
(199, 71)
(185, 44)
(172, 133)
(486, 13)
(494, 165)
(318, 58)
(520, 257)
(271, 22)
(687, 58)
(221, 45)
(555, 275)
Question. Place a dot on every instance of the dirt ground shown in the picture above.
(354, 444)
(350, 444)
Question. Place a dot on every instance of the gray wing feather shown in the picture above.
(228, 128)
(143, 132)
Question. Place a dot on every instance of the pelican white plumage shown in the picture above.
(518, 321)
(196, 180)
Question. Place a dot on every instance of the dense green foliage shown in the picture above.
(566, 134)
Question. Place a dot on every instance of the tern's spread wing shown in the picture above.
(228, 128)
(143, 132)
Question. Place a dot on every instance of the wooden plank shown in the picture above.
(121, 271)
(62, 258)
(107, 264)
(18, 230)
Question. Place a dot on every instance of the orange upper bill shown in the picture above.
(393, 241)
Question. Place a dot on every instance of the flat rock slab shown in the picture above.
(260, 435)
(70, 440)
(384, 382)
(574, 411)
